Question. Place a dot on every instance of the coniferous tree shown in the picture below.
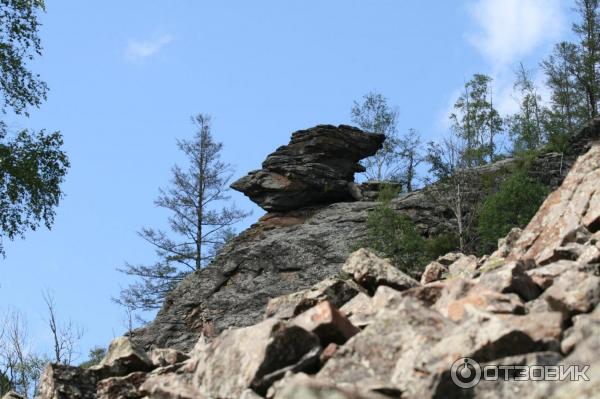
(201, 222)
(527, 127)
(572, 74)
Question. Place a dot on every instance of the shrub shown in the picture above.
(515, 203)
(394, 235)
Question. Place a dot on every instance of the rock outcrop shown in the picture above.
(515, 308)
(286, 252)
(316, 167)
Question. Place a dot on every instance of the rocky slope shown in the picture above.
(292, 250)
(373, 332)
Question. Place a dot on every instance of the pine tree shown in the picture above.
(200, 222)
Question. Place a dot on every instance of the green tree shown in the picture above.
(573, 78)
(393, 235)
(409, 151)
(32, 164)
(201, 221)
(95, 356)
(374, 115)
(587, 56)
(451, 183)
(477, 121)
(526, 128)
(5, 384)
(567, 104)
(19, 44)
(517, 200)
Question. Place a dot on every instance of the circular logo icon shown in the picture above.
(465, 372)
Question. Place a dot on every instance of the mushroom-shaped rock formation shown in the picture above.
(316, 167)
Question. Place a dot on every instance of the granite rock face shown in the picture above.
(316, 167)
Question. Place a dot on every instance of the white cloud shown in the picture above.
(507, 30)
(138, 50)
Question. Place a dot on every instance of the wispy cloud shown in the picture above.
(507, 30)
(138, 50)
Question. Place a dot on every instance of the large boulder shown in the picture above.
(371, 271)
(316, 167)
(254, 357)
(123, 357)
(62, 382)
(569, 215)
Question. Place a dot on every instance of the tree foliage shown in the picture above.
(95, 356)
(452, 185)
(19, 44)
(201, 221)
(374, 115)
(394, 235)
(476, 120)
(398, 159)
(517, 200)
(527, 126)
(32, 164)
(32, 169)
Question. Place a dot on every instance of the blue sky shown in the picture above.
(125, 77)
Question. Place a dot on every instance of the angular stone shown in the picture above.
(371, 271)
(427, 294)
(362, 312)
(334, 290)
(62, 382)
(573, 206)
(126, 387)
(483, 338)
(358, 310)
(260, 355)
(510, 388)
(329, 351)
(463, 266)
(123, 357)
(506, 244)
(250, 394)
(161, 357)
(584, 356)
(170, 386)
(573, 292)
(449, 258)
(313, 389)
(315, 167)
(544, 328)
(370, 361)
(584, 326)
(433, 272)
(511, 278)
(459, 296)
(544, 276)
(328, 323)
